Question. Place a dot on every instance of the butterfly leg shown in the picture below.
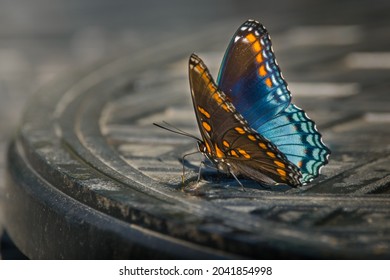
(182, 161)
(235, 177)
(200, 169)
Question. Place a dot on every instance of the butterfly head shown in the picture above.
(218, 158)
(202, 147)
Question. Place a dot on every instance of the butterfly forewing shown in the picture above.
(230, 143)
(250, 76)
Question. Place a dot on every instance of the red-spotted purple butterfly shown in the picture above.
(247, 122)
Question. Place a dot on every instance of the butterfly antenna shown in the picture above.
(171, 128)
(176, 130)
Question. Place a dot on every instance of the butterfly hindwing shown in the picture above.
(251, 78)
(230, 143)
(297, 137)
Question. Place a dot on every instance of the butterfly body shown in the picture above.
(247, 122)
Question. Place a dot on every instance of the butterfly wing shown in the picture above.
(230, 143)
(251, 78)
(297, 137)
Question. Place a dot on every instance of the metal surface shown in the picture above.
(91, 177)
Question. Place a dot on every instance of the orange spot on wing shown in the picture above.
(217, 98)
(280, 164)
(263, 146)
(271, 154)
(225, 107)
(206, 126)
(244, 153)
(204, 112)
(239, 130)
(259, 58)
(268, 82)
(218, 151)
(262, 71)
(212, 87)
(233, 153)
(281, 172)
(206, 78)
(199, 68)
(251, 137)
(226, 144)
(256, 47)
(250, 37)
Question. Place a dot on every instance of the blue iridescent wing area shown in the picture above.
(297, 137)
(250, 76)
(251, 79)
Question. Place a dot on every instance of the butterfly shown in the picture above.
(248, 125)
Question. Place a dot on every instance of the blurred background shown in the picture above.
(43, 40)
